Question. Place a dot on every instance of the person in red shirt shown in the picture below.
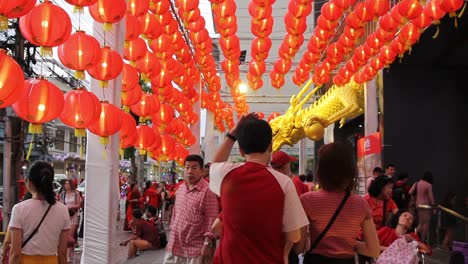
(380, 200)
(146, 235)
(151, 195)
(401, 225)
(281, 162)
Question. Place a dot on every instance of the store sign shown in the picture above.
(369, 145)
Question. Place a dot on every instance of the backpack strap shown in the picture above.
(330, 223)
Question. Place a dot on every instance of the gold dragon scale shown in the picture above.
(337, 104)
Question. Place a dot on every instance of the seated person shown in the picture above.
(401, 225)
(153, 219)
(146, 236)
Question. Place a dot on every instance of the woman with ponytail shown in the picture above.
(39, 226)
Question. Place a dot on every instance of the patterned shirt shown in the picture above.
(194, 212)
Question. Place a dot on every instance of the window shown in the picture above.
(73, 145)
(59, 139)
(83, 144)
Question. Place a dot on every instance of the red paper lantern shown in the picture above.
(138, 7)
(150, 25)
(324, 23)
(135, 49)
(299, 10)
(133, 28)
(128, 133)
(387, 55)
(384, 36)
(256, 11)
(388, 23)
(109, 122)
(14, 9)
(344, 4)
(378, 7)
(409, 9)
(363, 13)
(282, 66)
(145, 138)
(148, 65)
(331, 11)
(451, 6)
(11, 80)
(257, 68)
(164, 116)
(80, 52)
(353, 21)
(108, 12)
(47, 26)
(79, 4)
(130, 77)
(81, 108)
(422, 21)
(41, 102)
(353, 33)
(434, 11)
(148, 105)
(108, 67)
(131, 97)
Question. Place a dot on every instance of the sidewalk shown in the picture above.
(150, 256)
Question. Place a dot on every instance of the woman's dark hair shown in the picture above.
(377, 185)
(336, 168)
(152, 210)
(396, 217)
(428, 177)
(41, 175)
(137, 213)
(302, 177)
(147, 185)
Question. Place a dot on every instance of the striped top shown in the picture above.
(340, 239)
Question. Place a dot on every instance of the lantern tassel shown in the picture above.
(103, 84)
(142, 151)
(78, 10)
(30, 148)
(46, 51)
(35, 128)
(126, 108)
(144, 77)
(104, 140)
(3, 23)
(107, 27)
(437, 33)
(80, 132)
(462, 11)
(126, 44)
(121, 152)
(123, 95)
(80, 75)
(133, 63)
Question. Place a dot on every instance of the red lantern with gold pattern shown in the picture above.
(108, 123)
(81, 108)
(79, 4)
(150, 25)
(145, 138)
(331, 11)
(388, 23)
(409, 9)
(378, 7)
(135, 50)
(11, 80)
(148, 65)
(387, 55)
(41, 102)
(80, 52)
(14, 9)
(148, 105)
(434, 12)
(108, 12)
(164, 116)
(108, 67)
(47, 26)
(363, 13)
(451, 6)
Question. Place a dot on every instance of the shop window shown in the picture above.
(59, 139)
(73, 145)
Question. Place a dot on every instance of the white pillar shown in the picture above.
(102, 170)
(210, 144)
(371, 110)
(7, 174)
(302, 155)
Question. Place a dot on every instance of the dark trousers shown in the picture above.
(319, 259)
(293, 257)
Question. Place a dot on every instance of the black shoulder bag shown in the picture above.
(37, 228)
(312, 258)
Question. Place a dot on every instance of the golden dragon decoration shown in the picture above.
(337, 104)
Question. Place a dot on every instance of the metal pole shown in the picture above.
(302, 155)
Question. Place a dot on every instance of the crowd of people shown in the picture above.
(256, 211)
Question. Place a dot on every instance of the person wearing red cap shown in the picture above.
(262, 214)
(281, 162)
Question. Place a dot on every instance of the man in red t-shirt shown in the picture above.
(281, 162)
(262, 214)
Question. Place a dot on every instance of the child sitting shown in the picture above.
(153, 219)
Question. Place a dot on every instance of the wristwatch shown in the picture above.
(206, 243)
(231, 136)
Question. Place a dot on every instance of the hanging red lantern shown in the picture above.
(131, 97)
(167, 146)
(164, 116)
(344, 4)
(363, 13)
(108, 67)
(130, 77)
(133, 28)
(41, 102)
(79, 4)
(150, 25)
(108, 12)
(434, 12)
(378, 8)
(148, 65)
(298, 9)
(422, 21)
(376, 63)
(145, 138)
(257, 68)
(409, 35)
(353, 33)
(374, 42)
(135, 50)
(331, 11)
(80, 52)
(387, 55)
(398, 47)
(109, 122)
(409, 9)
(326, 24)
(282, 66)
(395, 13)
(128, 132)
(353, 21)
(256, 11)
(451, 6)
(11, 80)
(148, 105)
(138, 7)
(14, 9)
(47, 26)
(383, 36)
(323, 34)
(192, 118)
(81, 108)
(388, 23)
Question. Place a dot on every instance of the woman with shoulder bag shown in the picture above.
(336, 215)
(72, 199)
(39, 226)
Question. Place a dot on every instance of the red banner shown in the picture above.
(369, 145)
